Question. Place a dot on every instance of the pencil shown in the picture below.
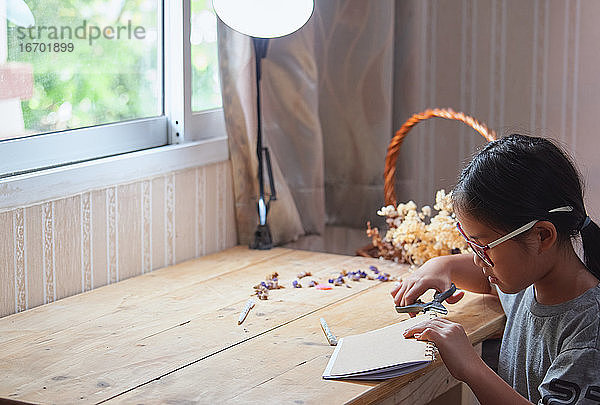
(249, 305)
(330, 336)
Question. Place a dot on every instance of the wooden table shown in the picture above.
(171, 336)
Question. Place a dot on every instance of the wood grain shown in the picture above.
(286, 365)
(153, 338)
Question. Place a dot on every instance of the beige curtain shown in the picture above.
(291, 131)
(326, 94)
(517, 66)
(355, 49)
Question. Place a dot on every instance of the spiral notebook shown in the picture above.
(380, 354)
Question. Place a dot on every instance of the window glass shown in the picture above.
(206, 90)
(82, 63)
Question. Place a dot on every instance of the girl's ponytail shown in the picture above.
(516, 179)
(590, 236)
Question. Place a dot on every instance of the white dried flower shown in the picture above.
(411, 240)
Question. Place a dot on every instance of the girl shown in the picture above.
(519, 204)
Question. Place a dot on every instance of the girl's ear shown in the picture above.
(545, 234)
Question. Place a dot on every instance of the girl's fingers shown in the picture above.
(412, 331)
(411, 294)
(441, 322)
(400, 294)
(430, 334)
(434, 323)
(418, 328)
(396, 288)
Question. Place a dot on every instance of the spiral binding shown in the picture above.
(431, 349)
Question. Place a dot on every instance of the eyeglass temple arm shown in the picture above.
(525, 227)
(513, 233)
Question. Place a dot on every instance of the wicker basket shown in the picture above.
(394, 148)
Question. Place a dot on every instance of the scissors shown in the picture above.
(435, 305)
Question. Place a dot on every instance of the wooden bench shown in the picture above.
(172, 336)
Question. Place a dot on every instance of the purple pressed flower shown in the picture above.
(374, 269)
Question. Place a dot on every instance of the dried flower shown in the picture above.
(271, 283)
(262, 292)
(415, 237)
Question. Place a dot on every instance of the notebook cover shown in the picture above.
(379, 354)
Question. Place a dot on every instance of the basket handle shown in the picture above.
(396, 142)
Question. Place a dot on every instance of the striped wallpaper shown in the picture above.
(58, 248)
(519, 66)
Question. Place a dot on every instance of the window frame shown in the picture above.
(177, 125)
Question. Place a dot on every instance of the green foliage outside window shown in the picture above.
(206, 92)
(103, 80)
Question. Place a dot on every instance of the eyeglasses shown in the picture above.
(481, 251)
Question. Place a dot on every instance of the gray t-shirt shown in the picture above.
(550, 354)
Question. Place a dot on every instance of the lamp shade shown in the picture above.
(18, 13)
(264, 18)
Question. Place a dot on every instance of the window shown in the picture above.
(84, 79)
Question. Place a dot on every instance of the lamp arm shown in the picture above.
(273, 195)
(262, 235)
(260, 51)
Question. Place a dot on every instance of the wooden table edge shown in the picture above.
(389, 387)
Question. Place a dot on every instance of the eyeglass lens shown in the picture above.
(478, 250)
(483, 256)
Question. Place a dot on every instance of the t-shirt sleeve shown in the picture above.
(573, 378)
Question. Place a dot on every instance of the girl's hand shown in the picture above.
(453, 344)
(434, 274)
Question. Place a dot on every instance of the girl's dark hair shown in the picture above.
(518, 178)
